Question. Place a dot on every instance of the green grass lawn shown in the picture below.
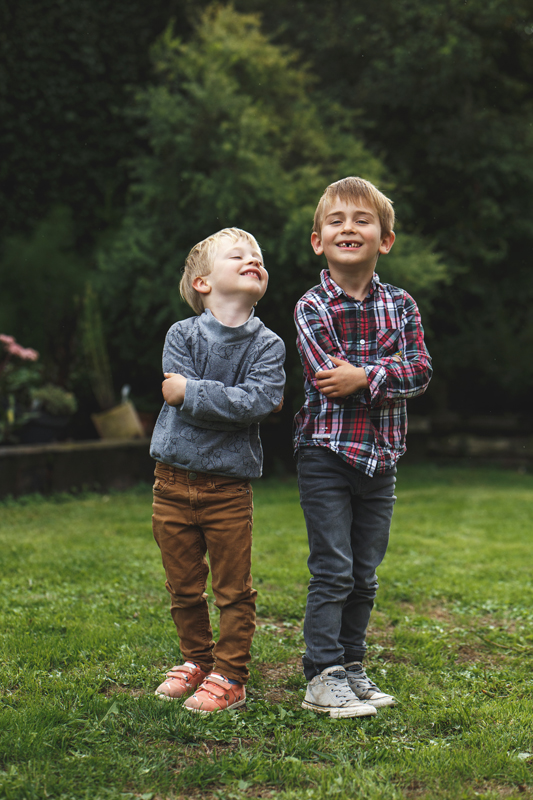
(86, 635)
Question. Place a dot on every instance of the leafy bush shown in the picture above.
(54, 400)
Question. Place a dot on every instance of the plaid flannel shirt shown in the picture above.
(382, 333)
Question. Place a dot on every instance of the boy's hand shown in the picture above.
(278, 407)
(342, 381)
(174, 387)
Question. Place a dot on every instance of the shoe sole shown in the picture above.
(163, 696)
(378, 702)
(383, 703)
(364, 710)
(238, 704)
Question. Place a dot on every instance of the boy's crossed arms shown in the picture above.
(211, 403)
(388, 377)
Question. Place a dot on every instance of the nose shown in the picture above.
(348, 226)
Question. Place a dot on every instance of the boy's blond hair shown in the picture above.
(199, 263)
(351, 190)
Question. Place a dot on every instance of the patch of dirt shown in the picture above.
(466, 654)
(279, 672)
(221, 748)
(274, 679)
(431, 609)
(220, 791)
(415, 790)
(507, 625)
(279, 626)
(476, 648)
(523, 790)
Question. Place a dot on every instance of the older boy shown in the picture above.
(362, 347)
(223, 374)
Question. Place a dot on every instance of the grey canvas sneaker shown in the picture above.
(329, 692)
(364, 688)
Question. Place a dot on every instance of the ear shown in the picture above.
(201, 285)
(387, 242)
(316, 244)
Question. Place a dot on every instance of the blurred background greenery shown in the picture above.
(131, 130)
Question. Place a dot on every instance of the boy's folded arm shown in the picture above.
(316, 342)
(176, 355)
(213, 405)
(393, 379)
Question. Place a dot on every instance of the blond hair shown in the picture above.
(199, 263)
(351, 190)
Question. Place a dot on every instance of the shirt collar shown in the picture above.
(333, 289)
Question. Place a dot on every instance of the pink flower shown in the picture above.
(26, 353)
(15, 349)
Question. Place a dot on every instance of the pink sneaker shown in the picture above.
(180, 680)
(216, 694)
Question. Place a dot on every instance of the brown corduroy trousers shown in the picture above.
(197, 513)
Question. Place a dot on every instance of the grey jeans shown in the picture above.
(348, 516)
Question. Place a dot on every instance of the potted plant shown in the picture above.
(53, 408)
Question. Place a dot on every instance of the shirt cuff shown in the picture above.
(376, 375)
(189, 400)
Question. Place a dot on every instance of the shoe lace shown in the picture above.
(338, 683)
(362, 679)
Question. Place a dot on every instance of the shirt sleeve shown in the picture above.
(390, 380)
(215, 406)
(316, 340)
(177, 356)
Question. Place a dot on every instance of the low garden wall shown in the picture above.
(92, 465)
(117, 464)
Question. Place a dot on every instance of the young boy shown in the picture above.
(362, 347)
(223, 374)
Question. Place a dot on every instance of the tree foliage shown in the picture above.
(235, 138)
(41, 286)
(66, 72)
(432, 99)
(445, 89)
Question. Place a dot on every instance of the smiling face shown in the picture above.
(237, 275)
(351, 238)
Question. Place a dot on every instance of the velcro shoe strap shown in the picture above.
(181, 671)
(217, 685)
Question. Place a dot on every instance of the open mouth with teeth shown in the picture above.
(349, 245)
(252, 273)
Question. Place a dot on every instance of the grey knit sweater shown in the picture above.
(235, 379)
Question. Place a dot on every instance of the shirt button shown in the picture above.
(361, 341)
(192, 476)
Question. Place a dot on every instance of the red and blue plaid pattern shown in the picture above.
(382, 333)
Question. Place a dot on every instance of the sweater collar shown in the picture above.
(224, 333)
